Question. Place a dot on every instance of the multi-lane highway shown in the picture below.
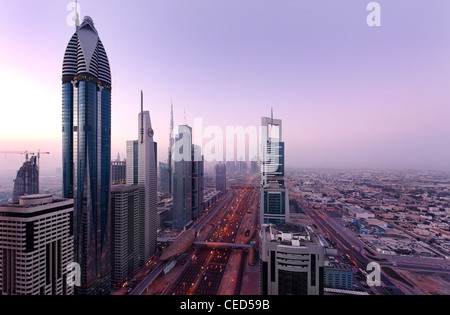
(347, 248)
(204, 270)
(355, 249)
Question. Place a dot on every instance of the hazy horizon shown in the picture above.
(349, 95)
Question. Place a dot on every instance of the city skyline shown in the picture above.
(350, 95)
(352, 195)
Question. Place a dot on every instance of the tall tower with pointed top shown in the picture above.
(171, 143)
(274, 194)
(86, 134)
(147, 179)
(141, 171)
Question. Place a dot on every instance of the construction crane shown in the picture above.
(26, 153)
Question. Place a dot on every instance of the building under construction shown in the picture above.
(27, 180)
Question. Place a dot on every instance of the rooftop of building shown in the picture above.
(290, 234)
(32, 201)
(33, 204)
(123, 187)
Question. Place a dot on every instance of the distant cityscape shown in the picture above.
(135, 225)
(398, 218)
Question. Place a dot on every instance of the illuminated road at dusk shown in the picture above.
(205, 267)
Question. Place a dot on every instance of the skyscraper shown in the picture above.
(124, 231)
(86, 133)
(132, 162)
(36, 246)
(272, 152)
(171, 147)
(164, 178)
(182, 178)
(118, 172)
(274, 194)
(221, 177)
(141, 171)
(27, 180)
(197, 181)
(166, 169)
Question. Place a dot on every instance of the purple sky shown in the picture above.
(349, 95)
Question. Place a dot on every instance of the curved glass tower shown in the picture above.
(86, 130)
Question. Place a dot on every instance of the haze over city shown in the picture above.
(349, 95)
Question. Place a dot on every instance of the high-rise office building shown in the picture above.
(27, 180)
(164, 178)
(86, 133)
(291, 260)
(125, 205)
(221, 177)
(274, 194)
(141, 170)
(166, 169)
(188, 179)
(36, 246)
(170, 152)
(254, 167)
(132, 162)
(118, 172)
(198, 189)
(182, 178)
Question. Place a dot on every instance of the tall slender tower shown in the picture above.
(86, 133)
(147, 178)
(274, 194)
(171, 143)
(182, 178)
(141, 170)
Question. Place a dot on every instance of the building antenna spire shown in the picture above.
(142, 117)
(171, 116)
(77, 16)
(185, 120)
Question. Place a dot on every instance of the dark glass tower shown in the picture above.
(86, 131)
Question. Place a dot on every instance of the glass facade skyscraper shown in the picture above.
(182, 178)
(221, 177)
(86, 133)
(274, 194)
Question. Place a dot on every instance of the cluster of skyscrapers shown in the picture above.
(105, 226)
(86, 227)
